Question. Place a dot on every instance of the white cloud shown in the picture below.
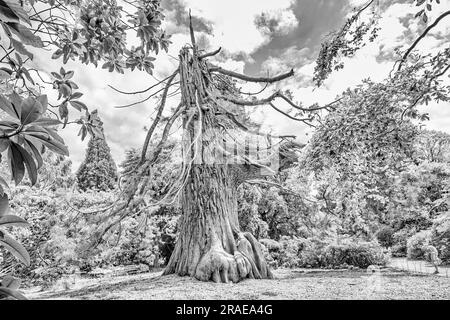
(279, 22)
(364, 64)
(233, 20)
(292, 57)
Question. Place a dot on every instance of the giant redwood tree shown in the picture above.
(219, 148)
(219, 152)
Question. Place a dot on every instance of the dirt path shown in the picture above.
(289, 284)
(418, 266)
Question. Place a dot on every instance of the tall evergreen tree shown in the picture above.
(98, 170)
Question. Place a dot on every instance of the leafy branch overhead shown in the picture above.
(101, 34)
(362, 28)
(86, 30)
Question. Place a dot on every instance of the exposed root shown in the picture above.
(218, 266)
(246, 262)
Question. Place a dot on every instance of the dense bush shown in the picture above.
(293, 252)
(265, 213)
(400, 239)
(416, 243)
(316, 253)
(289, 256)
(62, 221)
(440, 237)
(385, 237)
(271, 250)
(361, 254)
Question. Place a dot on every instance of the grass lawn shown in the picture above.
(289, 284)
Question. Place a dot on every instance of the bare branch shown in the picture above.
(304, 120)
(166, 131)
(252, 79)
(282, 96)
(140, 91)
(256, 102)
(243, 127)
(210, 54)
(364, 7)
(157, 119)
(255, 93)
(191, 32)
(150, 96)
(431, 26)
(272, 97)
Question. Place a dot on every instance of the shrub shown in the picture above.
(271, 257)
(58, 233)
(385, 237)
(293, 252)
(440, 236)
(415, 244)
(271, 245)
(317, 253)
(400, 239)
(362, 254)
(272, 250)
(289, 256)
(312, 252)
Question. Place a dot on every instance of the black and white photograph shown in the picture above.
(222, 155)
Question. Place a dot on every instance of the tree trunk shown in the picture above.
(210, 245)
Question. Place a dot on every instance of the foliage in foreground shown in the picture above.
(61, 223)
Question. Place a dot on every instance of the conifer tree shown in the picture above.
(98, 170)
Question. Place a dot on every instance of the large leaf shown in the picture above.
(31, 110)
(8, 126)
(52, 144)
(78, 105)
(44, 102)
(15, 248)
(4, 205)
(10, 220)
(16, 101)
(26, 36)
(6, 106)
(34, 149)
(47, 122)
(16, 163)
(10, 282)
(12, 293)
(29, 163)
(57, 147)
(54, 135)
(4, 144)
(6, 13)
(18, 10)
(32, 129)
(20, 48)
(46, 136)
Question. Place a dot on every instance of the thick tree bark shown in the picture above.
(210, 245)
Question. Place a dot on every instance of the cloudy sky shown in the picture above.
(258, 37)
